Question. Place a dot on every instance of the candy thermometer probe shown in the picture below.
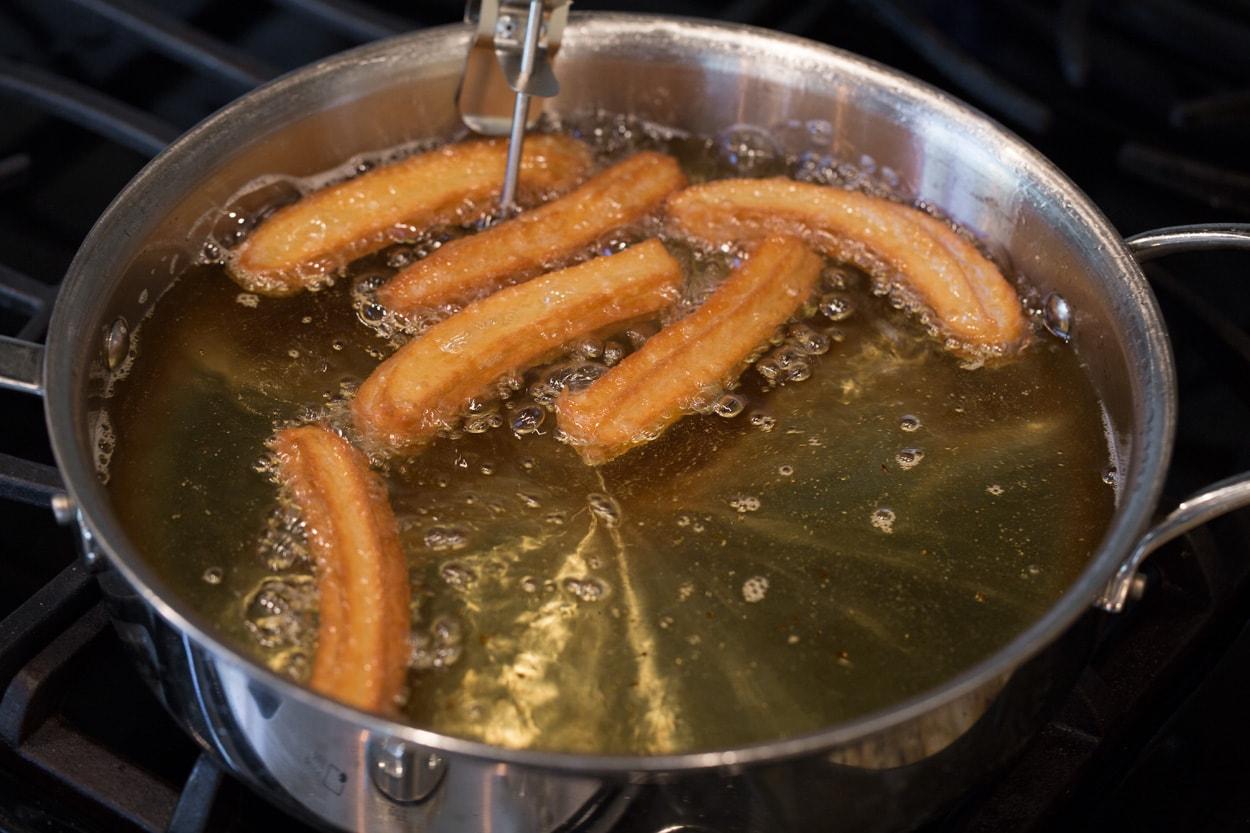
(509, 64)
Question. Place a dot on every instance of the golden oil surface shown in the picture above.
(842, 542)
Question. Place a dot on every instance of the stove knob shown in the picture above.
(403, 771)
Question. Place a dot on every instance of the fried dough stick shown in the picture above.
(968, 297)
(362, 579)
(654, 387)
(299, 244)
(522, 247)
(420, 388)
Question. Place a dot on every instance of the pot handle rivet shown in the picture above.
(1057, 316)
(116, 343)
(403, 771)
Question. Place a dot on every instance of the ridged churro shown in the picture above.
(301, 243)
(537, 239)
(651, 389)
(362, 579)
(424, 385)
(967, 296)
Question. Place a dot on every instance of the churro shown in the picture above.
(966, 296)
(300, 244)
(651, 389)
(424, 385)
(362, 579)
(537, 239)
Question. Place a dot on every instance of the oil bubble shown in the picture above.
(400, 257)
(280, 613)
(909, 423)
(883, 519)
(591, 348)
(748, 150)
(814, 166)
(478, 424)
(837, 307)
(744, 503)
(543, 393)
(528, 420)
(605, 508)
(586, 589)
(729, 406)
(439, 538)
(768, 368)
(798, 372)
(842, 278)
(213, 575)
(909, 458)
(458, 575)
(446, 630)
(808, 341)
(438, 647)
(583, 377)
(637, 338)
(295, 665)
(755, 589)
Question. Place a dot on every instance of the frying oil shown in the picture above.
(861, 517)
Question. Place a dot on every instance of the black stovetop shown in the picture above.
(1145, 103)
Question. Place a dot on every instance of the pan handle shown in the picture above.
(21, 365)
(1176, 239)
(1222, 497)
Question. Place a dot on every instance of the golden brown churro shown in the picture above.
(969, 298)
(301, 243)
(537, 239)
(362, 579)
(654, 387)
(420, 388)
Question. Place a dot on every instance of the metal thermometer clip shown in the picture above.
(509, 64)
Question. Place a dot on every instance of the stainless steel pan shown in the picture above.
(883, 771)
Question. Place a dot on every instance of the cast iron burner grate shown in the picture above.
(1146, 103)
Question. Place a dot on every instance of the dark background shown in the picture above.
(1145, 104)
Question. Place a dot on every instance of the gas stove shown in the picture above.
(1144, 103)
